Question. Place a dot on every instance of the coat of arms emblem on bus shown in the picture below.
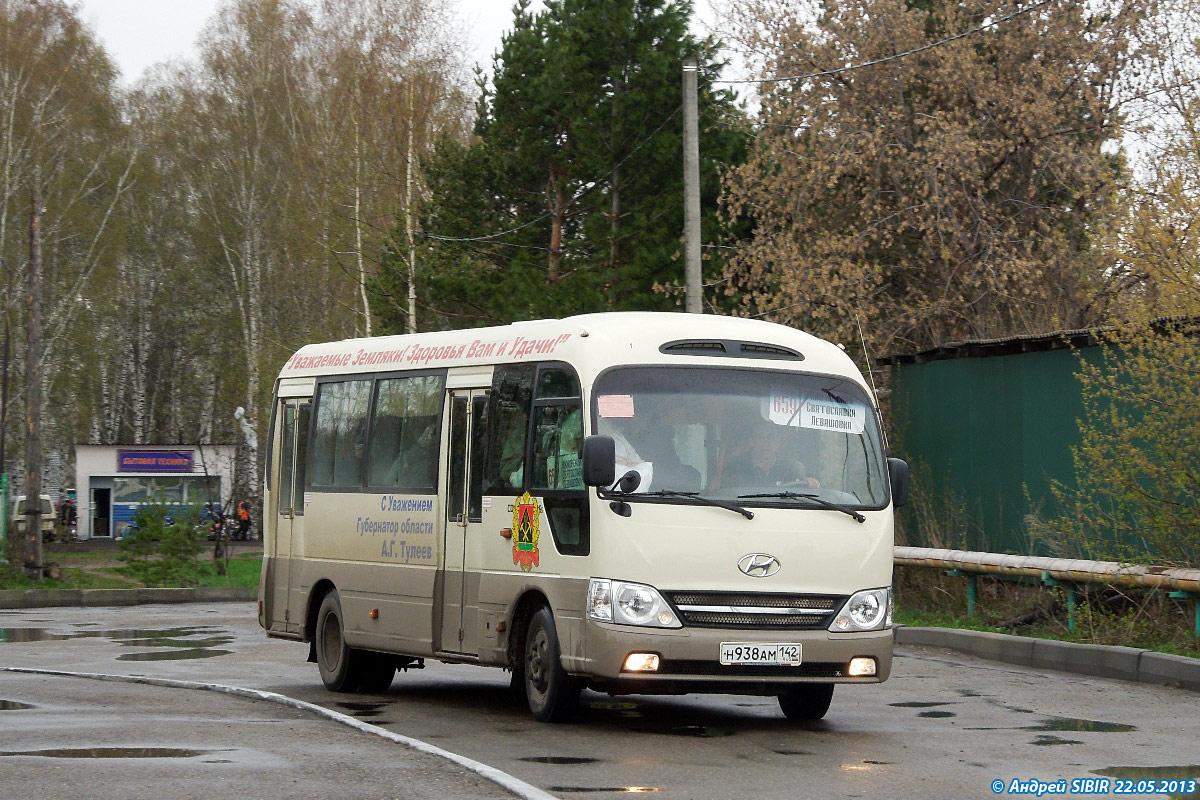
(525, 532)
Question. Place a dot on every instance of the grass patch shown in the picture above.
(243, 570)
(13, 577)
(89, 571)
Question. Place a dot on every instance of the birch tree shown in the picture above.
(395, 83)
(248, 109)
(61, 137)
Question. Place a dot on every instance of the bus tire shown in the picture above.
(553, 695)
(376, 673)
(806, 702)
(340, 664)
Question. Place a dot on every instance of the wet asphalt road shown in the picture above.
(945, 725)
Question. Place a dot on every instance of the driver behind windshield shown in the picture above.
(766, 464)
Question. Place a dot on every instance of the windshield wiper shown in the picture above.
(708, 501)
(822, 502)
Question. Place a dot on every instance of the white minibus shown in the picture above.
(625, 502)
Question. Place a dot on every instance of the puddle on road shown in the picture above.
(1155, 774)
(1080, 725)
(613, 789)
(917, 704)
(937, 714)
(364, 709)
(700, 731)
(180, 644)
(145, 637)
(14, 705)
(174, 655)
(113, 752)
(626, 710)
(213, 641)
(1050, 741)
(1060, 724)
(562, 760)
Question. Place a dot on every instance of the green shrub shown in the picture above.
(163, 551)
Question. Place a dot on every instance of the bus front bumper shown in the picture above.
(689, 659)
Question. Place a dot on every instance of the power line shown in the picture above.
(896, 56)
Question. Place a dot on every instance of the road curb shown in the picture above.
(1104, 661)
(46, 598)
(516, 786)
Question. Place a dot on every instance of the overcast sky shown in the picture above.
(140, 33)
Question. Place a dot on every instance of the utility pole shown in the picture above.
(33, 396)
(691, 190)
(410, 323)
(4, 515)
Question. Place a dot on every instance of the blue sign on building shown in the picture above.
(154, 461)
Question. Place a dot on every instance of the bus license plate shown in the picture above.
(770, 653)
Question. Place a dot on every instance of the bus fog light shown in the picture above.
(641, 662)
(861, 667)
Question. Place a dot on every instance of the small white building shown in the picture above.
(112, 481)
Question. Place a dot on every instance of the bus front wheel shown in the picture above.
(808, 701)
(553, 695)
(340, 664)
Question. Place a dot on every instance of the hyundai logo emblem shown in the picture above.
(759, 565)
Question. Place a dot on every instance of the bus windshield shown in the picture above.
(758, 437)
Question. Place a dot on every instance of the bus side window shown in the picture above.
(557, 458)
(558, 447)
(404, 432)
(303, 418)
(508, 416)
(341, 426)
(479, 425)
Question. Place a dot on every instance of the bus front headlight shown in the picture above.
(629, 604)
(869, 610)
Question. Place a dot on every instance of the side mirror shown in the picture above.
(630, 481)
(898, 472)
(599, 461)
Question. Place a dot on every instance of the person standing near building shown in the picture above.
(243, 521)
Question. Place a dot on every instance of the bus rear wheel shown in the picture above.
(341, 666)
(809, 701)
(553, 695)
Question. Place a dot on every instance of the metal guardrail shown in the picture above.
(1180, 583)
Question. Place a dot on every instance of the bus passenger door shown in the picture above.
(461, 539)
(289, 515)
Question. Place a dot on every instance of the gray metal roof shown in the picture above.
(1027, 343)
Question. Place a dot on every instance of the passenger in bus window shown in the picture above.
(347, 469)
(557, 448)
(670, 472)
(415, 466)
(627, 457)
(764, 465)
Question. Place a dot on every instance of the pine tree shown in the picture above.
(570, 197)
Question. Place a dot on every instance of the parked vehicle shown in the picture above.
(21, 508)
